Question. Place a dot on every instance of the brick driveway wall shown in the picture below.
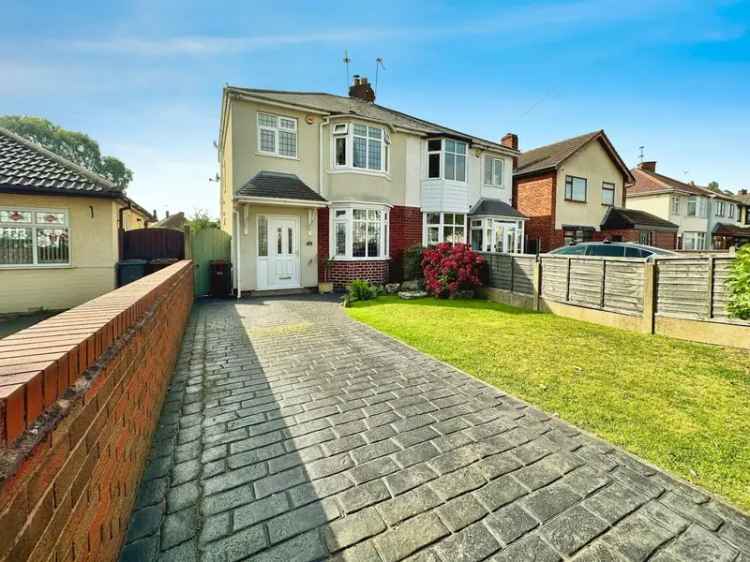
(291, 432)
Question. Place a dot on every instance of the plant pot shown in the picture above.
(325, 287)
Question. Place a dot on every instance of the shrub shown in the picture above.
(412, 261)
(451, 268)
(739, 284)
(361, 290)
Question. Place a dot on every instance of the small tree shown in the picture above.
(739, 284)
(200, 221)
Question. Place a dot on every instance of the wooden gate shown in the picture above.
(207, 245)
(153, 243)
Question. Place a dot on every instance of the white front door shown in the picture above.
(283, 253)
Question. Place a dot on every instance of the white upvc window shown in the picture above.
(676, 205)
(694, 241)
(696, 206)
(34, 237)
(361, 147)
(493, 171)
(277, 135)
(732, 210)
(446, 159)
(720, 208)
(496, 235)
(444, 227)
(359, 233)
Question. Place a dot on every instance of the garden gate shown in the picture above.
(207, 245)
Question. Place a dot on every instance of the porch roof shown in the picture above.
(495, 208)
(724, 229)
(277, 187)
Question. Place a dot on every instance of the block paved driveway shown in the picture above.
(292, 433)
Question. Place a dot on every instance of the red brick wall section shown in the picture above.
(68, 477)
(661, 239)
(535, 198)
(405, 232)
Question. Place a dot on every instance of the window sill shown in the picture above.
(363, 172)
(575, 201)
(348, 259)
(489, 185)
(272, 155)
(40, 266)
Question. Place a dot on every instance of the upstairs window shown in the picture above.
(277, 135)
(732, 210)
(31, 237)
(675, 205)
(361, 146)
(696, 206)
(720, 208)
(575, 189)
(608, 194)
(446, 159)
(493, 171)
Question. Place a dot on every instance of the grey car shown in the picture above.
(612, 249)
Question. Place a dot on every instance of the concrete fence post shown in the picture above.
(649, 297)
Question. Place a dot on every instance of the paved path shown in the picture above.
(291, 433)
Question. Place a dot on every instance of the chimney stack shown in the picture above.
(743, 192)
(648, 166)
(510, 140)
(166, 213)
(155, 215)
(361, 89)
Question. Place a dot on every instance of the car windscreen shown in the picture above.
(605, 250)
(571, 251)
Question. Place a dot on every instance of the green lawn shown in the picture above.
(683, 406)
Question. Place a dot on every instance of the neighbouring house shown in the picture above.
(567, 188)
(317, 185)
(632, 225)
(743, 197)
(707, 219)
(59, 229)
(177, 221)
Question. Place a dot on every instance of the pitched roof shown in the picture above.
(551, 156)
(648, 182)
(494, 207)
(633, 218)
(276, 185)
(343, 105)
(723, 229)
(743, 198)
(26, 166)
(175, 221)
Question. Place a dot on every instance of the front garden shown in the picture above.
(680, 405)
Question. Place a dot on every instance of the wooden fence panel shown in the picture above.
(585, 279)
(683, 287)
(624, 287)
(555, 278)
(720, 296)
(523, 274)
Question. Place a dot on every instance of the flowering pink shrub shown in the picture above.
(449, 268)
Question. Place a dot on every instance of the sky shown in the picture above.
(145, 78)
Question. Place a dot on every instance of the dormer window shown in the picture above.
(446, 159)
(360, 146)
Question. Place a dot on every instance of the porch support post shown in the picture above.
(238, 230)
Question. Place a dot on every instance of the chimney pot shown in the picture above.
(361, 89)
(510, 140)
(167, 213)
(649, 166)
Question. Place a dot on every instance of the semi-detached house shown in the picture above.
(316, 184)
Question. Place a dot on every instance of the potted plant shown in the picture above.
(326, 286)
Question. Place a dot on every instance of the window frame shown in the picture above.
(569, 182)
(697, 237)
(347, 219)
(732, 211)
(35, 226)
(700, 206)
(348, 135)
(571, 240)
(490, 162)
(441, 226)
(276, 130)
(610, 186)
(443, 152)
(675, 205)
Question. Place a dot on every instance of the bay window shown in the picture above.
(694, 241)
(444, 227)
(277, 135)
(446, 159)
(34, 237)
(493, 171)
(696, 206)
(359, 233)
(361, 147)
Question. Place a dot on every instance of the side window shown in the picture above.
(636, 253)
(577, 250)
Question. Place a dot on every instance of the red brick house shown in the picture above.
(566, 189)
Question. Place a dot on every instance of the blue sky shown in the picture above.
(144, 78)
